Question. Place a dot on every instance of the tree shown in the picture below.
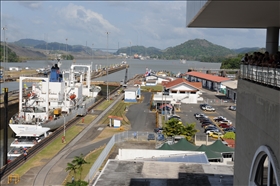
(71, 168)
(79, 161)
(76, 164)
(174, 127)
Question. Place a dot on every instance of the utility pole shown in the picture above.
(107, 68)
(92, 52)
(66, 49)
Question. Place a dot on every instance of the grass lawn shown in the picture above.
(106, 133)
(118, 110)
(157, 88)
(50, 151)
(91, 158)
(104, 105)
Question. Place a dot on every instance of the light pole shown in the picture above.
(130, 49)
(7, 53)
(92, 52)
(107, 68)
(4, 51)
(66, 48)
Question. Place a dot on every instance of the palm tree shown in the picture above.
(174, 127)
(79, 161)
(71, 168)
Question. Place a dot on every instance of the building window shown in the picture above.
(174, 91)
(182, 92)
(263, 168)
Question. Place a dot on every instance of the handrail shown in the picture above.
(259, 74)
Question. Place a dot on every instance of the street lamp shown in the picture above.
(92, 52)
(107, 68)
(130, 49)
(66, 48)
(165, 93)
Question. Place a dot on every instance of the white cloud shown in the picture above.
(31, 5)
(80, 18)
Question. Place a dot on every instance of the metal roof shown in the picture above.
(230, 84)
(233, 13)
(209, 77)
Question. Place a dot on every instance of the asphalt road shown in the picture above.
(139, 115)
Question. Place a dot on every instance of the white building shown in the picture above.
(131, 94)
(184, 91)
(231, 89)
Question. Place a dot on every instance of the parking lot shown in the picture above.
(188, 111)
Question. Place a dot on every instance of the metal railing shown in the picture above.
(264, 75)
(132, 136)
(120, 137)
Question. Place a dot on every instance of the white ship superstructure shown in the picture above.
(55, 100)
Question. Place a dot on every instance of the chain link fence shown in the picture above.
(226, 102)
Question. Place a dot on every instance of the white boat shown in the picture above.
(183, 61)
(25, 140)
(55, 100)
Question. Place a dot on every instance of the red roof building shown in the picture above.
(209, 77)
(209, 81)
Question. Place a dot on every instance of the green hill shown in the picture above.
(140, 50)
(29, 42)
(198, 49)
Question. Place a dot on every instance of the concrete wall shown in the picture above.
(257, 123)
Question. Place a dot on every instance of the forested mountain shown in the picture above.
(246, 50)
(9, 54)
(198, 49)
(29, 42)
(140, 50)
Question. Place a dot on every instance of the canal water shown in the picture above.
(136, 66)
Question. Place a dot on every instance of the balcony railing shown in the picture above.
(264, 75)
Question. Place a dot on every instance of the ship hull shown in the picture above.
(57, 122)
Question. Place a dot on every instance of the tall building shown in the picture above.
(257, 152)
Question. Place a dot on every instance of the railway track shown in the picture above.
(12, 166)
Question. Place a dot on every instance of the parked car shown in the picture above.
(225, 121)
(216, 134)
(174, 117)
(197, 116)
(209, 108)
(202, 106)
(230, 129)
(212, 130)
(224, 125)
(151, 137)
(156, 130)
(207, 124)
(204, 120)
(232, 107)
(220, 119)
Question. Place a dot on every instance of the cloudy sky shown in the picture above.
(159, 24)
